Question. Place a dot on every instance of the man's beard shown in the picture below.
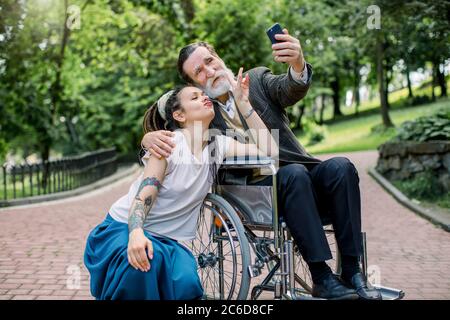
(222, 87)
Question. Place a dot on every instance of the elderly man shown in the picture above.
(310, 191)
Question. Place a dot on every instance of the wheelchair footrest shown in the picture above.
(390, 293)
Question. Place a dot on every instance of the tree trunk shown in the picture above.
(187, 6)
(322, 109)
(408, 79)
(441, 81)
(57, 87)
(356, 79)
(336, 105)
(433, 82)
(45, 154)
(387, 78)
(381, 82)
(298, 122)
(188, 10)
(72, 132)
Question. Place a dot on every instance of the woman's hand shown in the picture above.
(159, 143)
(240, 89)
(137, 243)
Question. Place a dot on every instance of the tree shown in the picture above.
(77, 90)
(236, 29)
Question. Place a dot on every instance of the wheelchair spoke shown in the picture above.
(203, 277)
(214, 280)
(236, 246)
(227, 243)
(201, 232)
(205, 284)
(211, 281)
(230, 251)
(302, 274)
(224, 280)
(218, 247)
(226, 273)
(194, 247)
(205, 225)
(207, 275)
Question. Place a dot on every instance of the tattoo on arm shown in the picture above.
(141, 207)
(153, 181)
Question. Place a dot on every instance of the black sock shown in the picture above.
(319, 270)
(350, 266)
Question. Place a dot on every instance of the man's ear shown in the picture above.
(179, 116)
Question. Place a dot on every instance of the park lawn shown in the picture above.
(396, 99)
(356, 135)
(24, 189)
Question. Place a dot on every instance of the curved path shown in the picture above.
(41, 246)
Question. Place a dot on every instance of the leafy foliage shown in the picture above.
(314, 132)
(425, 186)
(87, 88)
(428, 128)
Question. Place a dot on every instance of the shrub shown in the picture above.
(314, 132)
(381, 129)
(424, 186)
(427, 128)
(416, 100)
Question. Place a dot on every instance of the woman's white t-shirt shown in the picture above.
(175, 212)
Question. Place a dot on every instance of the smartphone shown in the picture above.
(272, 31)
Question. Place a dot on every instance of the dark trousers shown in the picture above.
(325, 193)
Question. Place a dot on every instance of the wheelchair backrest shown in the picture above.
(253, 202)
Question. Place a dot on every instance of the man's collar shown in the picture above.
(230, 97)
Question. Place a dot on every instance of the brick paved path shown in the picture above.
(41, 246)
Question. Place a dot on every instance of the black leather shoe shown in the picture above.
(363, 287)
(331, 288)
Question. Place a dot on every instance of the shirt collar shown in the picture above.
(228, 104)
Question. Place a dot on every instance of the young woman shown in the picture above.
(134, 253)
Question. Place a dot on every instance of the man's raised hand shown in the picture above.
(159, 143)
(240, 87)
(289, 50)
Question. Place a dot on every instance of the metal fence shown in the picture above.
(28, 180)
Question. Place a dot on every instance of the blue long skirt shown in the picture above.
(172, 276)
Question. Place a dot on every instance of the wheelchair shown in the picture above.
(240, 233)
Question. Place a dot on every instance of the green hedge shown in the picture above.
(427, 128)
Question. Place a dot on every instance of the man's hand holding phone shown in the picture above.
(287, 49)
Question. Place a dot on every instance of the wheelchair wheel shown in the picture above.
(302, 274)
(222, 251)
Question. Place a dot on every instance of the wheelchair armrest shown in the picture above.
(248, 160)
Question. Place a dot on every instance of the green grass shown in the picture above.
(444, 201)
(25, 190)
(70, 181)
(355, 134)
(396, 99)
(426, 188)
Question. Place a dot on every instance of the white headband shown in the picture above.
(162, 104)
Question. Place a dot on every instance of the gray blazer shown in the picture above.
(269, 95)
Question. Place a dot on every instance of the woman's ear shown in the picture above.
(179, 116)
